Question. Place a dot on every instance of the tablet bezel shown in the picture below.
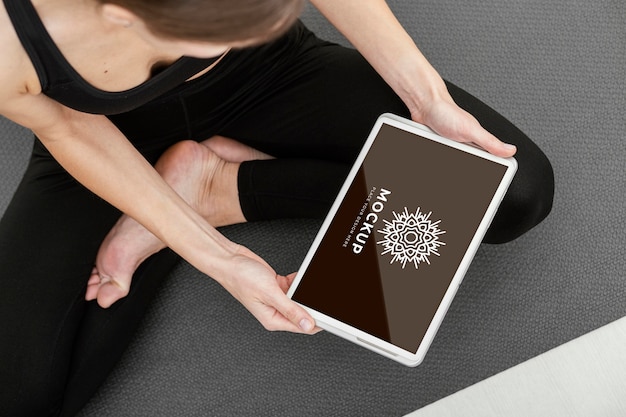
(360, 337)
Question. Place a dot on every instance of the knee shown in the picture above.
(526, 204)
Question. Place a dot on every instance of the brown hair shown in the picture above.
(215, 20)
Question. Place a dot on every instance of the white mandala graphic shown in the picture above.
(411, 238)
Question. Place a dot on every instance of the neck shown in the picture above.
(79, 21)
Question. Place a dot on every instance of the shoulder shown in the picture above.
(19, 84)
(16, 70)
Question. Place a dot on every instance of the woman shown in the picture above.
(249, 116)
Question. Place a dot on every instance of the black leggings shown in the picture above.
(307, 102)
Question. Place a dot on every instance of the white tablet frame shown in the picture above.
(358, 336)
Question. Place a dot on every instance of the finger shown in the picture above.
(299, 319)
(279, 322)
(284, 282)
(457, 124)
(476, 134)
(291, 277)
(493, 145)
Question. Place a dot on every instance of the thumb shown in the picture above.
(301, 321)
(470, 130)
(490, 143)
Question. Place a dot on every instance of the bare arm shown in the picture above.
(373, 29)
(96, 153)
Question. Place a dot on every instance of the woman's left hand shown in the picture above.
(393, 54)
(447, 119)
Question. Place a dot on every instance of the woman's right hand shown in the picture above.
(263, 292)
(246, 276)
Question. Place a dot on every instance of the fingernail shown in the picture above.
(510, 147)
(306, 325)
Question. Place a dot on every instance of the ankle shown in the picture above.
(222, 196)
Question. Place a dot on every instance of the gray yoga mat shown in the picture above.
(557, 69)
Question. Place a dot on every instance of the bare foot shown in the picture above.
(206, 181)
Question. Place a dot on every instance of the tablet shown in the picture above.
(394, 247)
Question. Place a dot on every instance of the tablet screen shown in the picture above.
(399, 236)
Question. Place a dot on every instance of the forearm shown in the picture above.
(373, 29)
(94, 152)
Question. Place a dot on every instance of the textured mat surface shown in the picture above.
(557, 69)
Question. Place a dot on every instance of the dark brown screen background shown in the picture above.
(366, 290)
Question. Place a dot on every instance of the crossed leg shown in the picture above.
(205, 176)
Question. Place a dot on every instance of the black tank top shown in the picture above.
(62, 83)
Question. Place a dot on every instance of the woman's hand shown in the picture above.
(257, 286)
(249, 279)
(393, 54)
(443, 116)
